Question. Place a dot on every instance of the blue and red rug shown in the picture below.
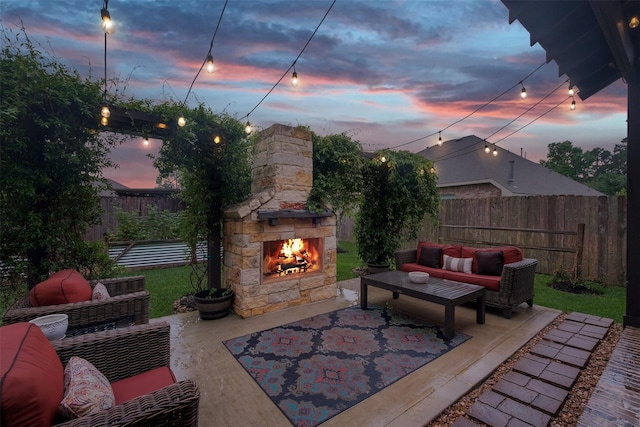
(316, 368)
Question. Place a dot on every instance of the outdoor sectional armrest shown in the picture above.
(516, 286)
(122, 285)
(133, 306)
(120, 353)
(405, 256)
(174, 405)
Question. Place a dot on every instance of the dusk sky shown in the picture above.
(384, 72)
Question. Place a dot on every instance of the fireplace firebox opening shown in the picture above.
(291, 257)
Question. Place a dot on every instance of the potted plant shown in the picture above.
(398, 191)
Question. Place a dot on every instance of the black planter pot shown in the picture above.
(374, 268)
(213, 308)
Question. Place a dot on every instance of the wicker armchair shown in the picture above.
(516, 283)
(125, 352)
(128, 304)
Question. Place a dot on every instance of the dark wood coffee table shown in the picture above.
(439, 291)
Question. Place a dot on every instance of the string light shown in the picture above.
(105, 112)
(523, 92)
(248, 129)
(216, 139)
(573, 104)
(181, 121)
(486, 147)
(107, 24)
(210, 67)
(571, 91)
(634, 22)
(440, 138)
(294, 76)
(104, 121)
(495, 151)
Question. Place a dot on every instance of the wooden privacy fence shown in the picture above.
(546, 227)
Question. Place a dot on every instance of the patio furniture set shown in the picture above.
(109, 344)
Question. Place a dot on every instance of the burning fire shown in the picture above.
(290, 256)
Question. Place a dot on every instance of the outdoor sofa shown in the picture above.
(507, 277)
(134, 360)
(128, 303)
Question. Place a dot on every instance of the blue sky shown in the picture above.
(385, 72)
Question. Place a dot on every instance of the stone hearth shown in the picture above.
(282, 176)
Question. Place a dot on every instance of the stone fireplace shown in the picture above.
(276, 253)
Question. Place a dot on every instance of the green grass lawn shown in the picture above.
(166, 285)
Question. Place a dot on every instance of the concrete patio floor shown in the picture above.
(230, 397)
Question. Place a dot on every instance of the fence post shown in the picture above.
(579, 250)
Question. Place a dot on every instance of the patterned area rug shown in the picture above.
(316, 368)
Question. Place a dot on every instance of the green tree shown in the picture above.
(211, 156)
(51, 162)
(398, 191)
(337, 174)
(565, 159)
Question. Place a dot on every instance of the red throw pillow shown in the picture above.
(62, 287)
(31, 377)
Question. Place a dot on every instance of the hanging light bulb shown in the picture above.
(634, 22)
(523, 92)
(248, 129)
(440, 138)
(432, 170)
(107, 23)
(486, 148)
(571, 91)
(210, 66)
(495, 151)
(573, 104)
(145, 141)
(216, 139)
(294, 78)
(181, 121)
(105, 112)
(383, 159)
(104, 121)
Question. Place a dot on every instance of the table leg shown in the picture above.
(396, 295)
(480, 309)
(449, 320)
(363, 295)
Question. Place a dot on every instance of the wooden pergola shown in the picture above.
(596, 43)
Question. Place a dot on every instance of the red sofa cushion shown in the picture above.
(63, 287)
(32, 377)
(489, 282)
(412, 266)
(141, 384)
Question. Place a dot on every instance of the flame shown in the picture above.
(292, 246)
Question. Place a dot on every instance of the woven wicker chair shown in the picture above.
(516, 283)
(128, 304)
(122, 353)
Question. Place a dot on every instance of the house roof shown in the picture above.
(589, 40)
(463, 161)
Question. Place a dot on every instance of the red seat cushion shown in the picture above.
(62, 287)
(141, 384)
(489, 282)
(412, 266)
(32, 377)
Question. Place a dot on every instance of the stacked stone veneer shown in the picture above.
(282, 176)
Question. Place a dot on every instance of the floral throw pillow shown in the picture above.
(457, 264)
(86, 390)
(100, 292)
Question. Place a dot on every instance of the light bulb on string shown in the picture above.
(104, 121)
(573, 104)
(181, 121)
(216, 139)
(210, 67)
(495, 151)
(294, 78)
(107, 24)
(145, 141)
(248, 129)
(523, 92)
(440, 138)
(105, 112)
(486, 148)
(571, 90)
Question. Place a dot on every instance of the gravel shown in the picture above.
(574, 405)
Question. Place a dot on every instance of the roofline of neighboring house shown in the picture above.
(505, 191)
